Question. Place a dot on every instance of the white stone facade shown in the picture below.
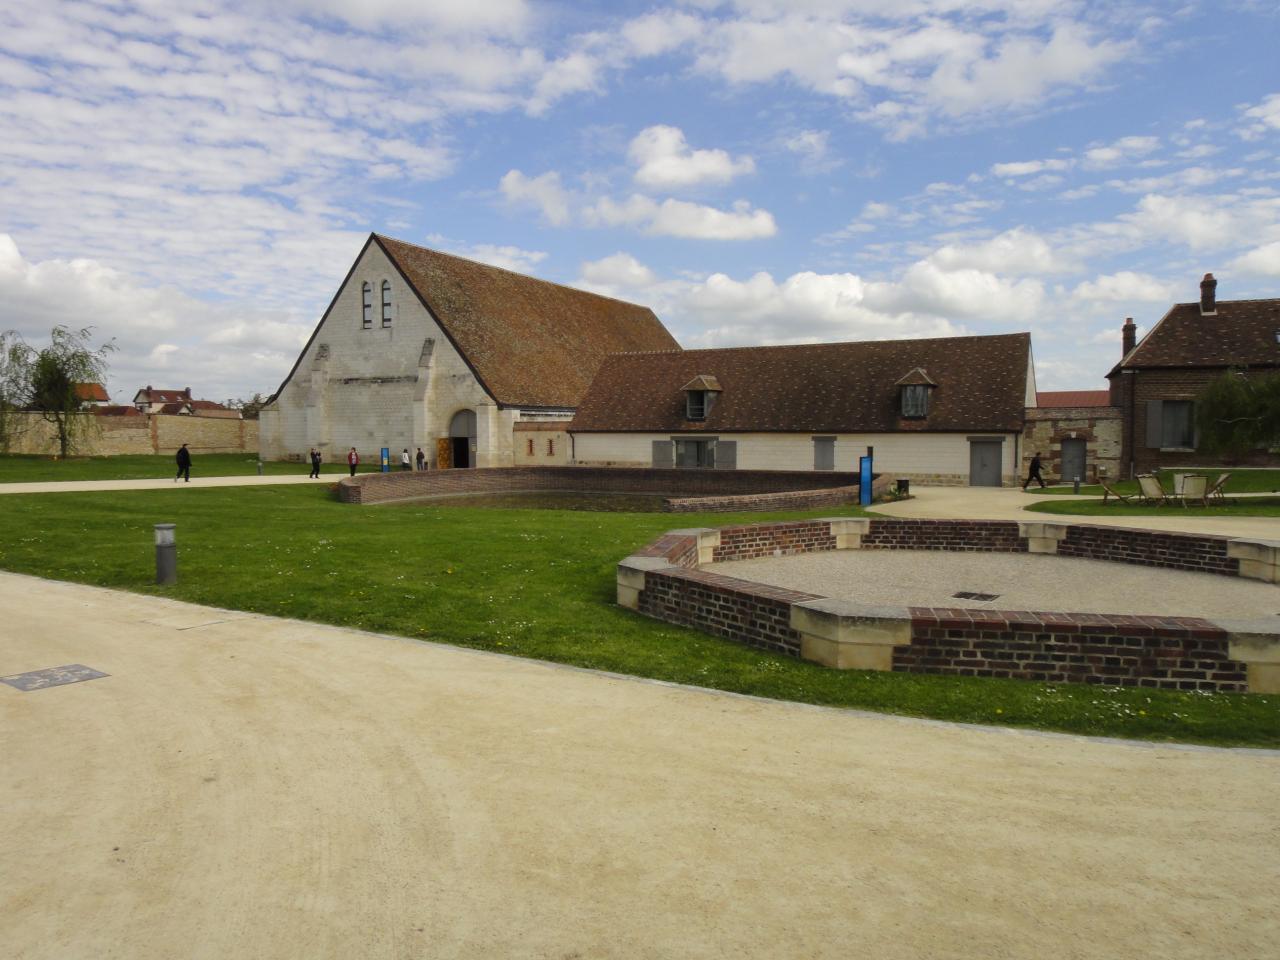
(923, 457)
(392, 386)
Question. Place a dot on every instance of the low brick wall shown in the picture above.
(690, 490)
(663, 580)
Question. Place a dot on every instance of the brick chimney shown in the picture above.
(1128, 336)
(187, 393)
(1208, 295)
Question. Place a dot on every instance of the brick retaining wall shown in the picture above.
(1179, 653)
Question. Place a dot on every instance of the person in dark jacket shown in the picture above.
(184, 464)
(1033, 473)
(315, 463)
(353, 460)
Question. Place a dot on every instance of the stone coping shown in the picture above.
(664, 580)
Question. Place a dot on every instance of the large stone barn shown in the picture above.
(941, 411)
(423, 349)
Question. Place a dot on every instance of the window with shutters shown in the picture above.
(1177, 424)
(366, 315)
(695, 453)
(386, 303)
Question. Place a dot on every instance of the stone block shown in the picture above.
(850, 636)
(1042, 545)
(1259, 570)
(1257, 644)
(848, 531)
(1266, 552)
(631, 570)
(1042, 531)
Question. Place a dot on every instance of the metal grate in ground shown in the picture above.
(52, 677)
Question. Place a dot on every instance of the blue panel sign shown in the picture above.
(864, 481)
(386, 460)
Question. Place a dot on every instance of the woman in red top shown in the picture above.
(353, 460)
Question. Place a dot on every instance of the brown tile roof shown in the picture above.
(1073, 398)
(1241, 334)
(703, 382)
(92, 393)
(117, 411)
(175, 408)
(530, 342)
(150, 395)
(826, 387)
(917, 377)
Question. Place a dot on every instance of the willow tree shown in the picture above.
(44, 382)
(1238, 414)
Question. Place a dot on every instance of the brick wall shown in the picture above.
(379, 488)
(998, 536)
(1150, 548)
(773, 540)
(1177, 653)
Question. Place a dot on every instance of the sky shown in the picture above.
(194, 179)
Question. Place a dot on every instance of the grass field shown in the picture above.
(19, 468)
(535, 583)
(1241, 481)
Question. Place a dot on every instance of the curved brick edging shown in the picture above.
(687, 490)
(663, 580)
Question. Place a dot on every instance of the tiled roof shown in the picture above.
(92, 393)
(117, 411)
(703, 382)
(175, 408)
(148, 395)
(1242, 333)
(828, 387)
(1073, 398)
(916, 378)
(530, 342)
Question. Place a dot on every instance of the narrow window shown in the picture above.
(915, 400)
(366, 316)
(1178, 425)
(696, 405)
(551, 447)
(386, 303)
(529, 446)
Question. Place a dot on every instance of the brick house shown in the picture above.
(1157, 381)
(151, 400)
(424, 349)
(1077, 433)
(941, 410)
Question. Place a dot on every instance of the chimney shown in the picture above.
(1128, 336)
(1208, 295)
(187, 393)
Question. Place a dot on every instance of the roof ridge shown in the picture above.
(514, 273)
(841, 343)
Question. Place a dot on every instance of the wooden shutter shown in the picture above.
(1155, 423)
(664, 457)
(726, 454)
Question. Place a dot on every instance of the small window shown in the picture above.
(915, 400)
(1178, 425)
(824, 453)
(696, 405)
(366, 316)
(551, 447)
(386, 303)
(529, 446)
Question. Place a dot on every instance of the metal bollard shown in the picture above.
(1075, 487)
(259, 468)
(166, 555)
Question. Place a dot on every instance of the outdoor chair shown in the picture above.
(1195, 486)
(1151, 491)
(1109, 491)
(1218, 490)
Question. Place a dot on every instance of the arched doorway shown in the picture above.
(462, 438)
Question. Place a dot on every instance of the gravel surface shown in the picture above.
(1021, 581)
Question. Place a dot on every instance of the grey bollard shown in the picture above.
(259, 468)
(1075, 487)
(166, 555)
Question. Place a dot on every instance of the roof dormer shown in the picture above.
(700, 395)
(914, 392)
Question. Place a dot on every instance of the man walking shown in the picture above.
(422, 459)
(1033, 473)
(184, 464)
(315, 463)
(353, 460)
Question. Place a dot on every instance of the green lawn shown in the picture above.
(1241, 481)
(20, 468)
(534, 583)
(1231, 507)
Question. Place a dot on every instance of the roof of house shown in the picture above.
(175, 408)
(91, 393)
(117, 410)
(826, 387)
(1242, 333)
(1073, 398)
(151, 395)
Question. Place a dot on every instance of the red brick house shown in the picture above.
(1156, 383)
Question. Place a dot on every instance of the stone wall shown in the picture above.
(663, 580)
(1101, 428)
(143, 434)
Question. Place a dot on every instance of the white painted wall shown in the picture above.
(412, 410)
(937, 457)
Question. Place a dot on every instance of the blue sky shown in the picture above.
(194, 179)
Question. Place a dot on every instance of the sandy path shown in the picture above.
(247, 787)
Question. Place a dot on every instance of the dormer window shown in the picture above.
(366, 313)
(913, 394)
(699, 396)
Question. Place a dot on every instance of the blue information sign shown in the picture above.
(386, 460)
(864, 481)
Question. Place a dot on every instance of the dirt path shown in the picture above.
(248, 787)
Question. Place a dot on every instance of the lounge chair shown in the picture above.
(1151, 491)
(1217, 490)
(1195, 486)
(1109, 491)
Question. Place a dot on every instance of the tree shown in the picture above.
(44, 381)
(1239, 414)
(248, 408)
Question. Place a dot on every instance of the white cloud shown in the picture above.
(544, 192)
(1017, 251)
(1261, 261)
(927, 289)
(1025, 168)
(1125, 286)
(1261, 118)
(618, 271)
(813, 148)
(665, 161)
(503, 16)
(507, 256)
(1124, 150)
(680, 218)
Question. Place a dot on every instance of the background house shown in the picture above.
(943, 410)
(92, 394)
(1077, 433)
(424, 349)
(151, 400)
(1156, 383)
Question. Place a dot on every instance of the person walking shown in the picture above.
(183, 459)
(422, 459)
(353, 460)
(405, 462)
(315, 463)
(1033, 473)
